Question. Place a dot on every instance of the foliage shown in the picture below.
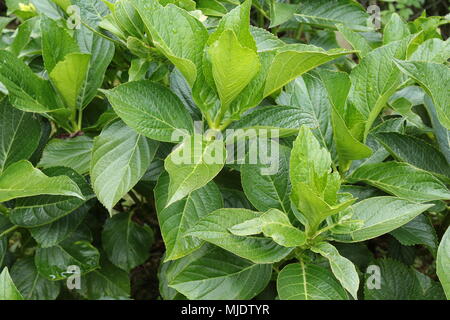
(118, 126)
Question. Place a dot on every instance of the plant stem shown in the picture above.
(8, 231)
(134, 197)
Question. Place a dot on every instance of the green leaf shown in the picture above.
(211, 8)
(442, 134)
(52, 33)
(151, 110)
(281, 12)
(31, 284)
(27, 91)
(415, 151)
(267, 191)
(357, 41)
(375, 80)
(180, 216)
(53, 262)
(343, 269)
(192, 165)
(345, 118)
(399, 282)
(314, 185)
(69, 75)
(237, 21)
(417, 231)
(21, 179)
(102, 52)
(233, 66)
(273, 224)
(20, 134)
(182, 40)
(309, 95)
(300, 281)
(382, 215)
(57, 231)
(43, 209)
(443, 261)
(286, 119)
(214, 227)
(126, 243)
(213, 273)
(120, 158)
(292, 61)
(265, 40)
(108, 282)
(74, 153)
(396, 29)
(347, 12)
(432, 50)
(402, 180)
(430, 76)
(8, 290)
(128, 19)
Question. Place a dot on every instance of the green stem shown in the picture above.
(134, 197)
(8, 231)
(80, 119)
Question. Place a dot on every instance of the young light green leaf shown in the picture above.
(300, 281)
(233, 66)
(443, 261)
(8, 290)
(314, 185)
(20, 133)
(192, 165)
(396, 29)
(402, 180)
(21, 179)
(237, 21)
(69, 76)
(214, 228)
(182, 215)
(273, 224)
(120, 158)
(126, 243)
(182, 41)
(151, 110)
(213, 273)
(343, 269)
